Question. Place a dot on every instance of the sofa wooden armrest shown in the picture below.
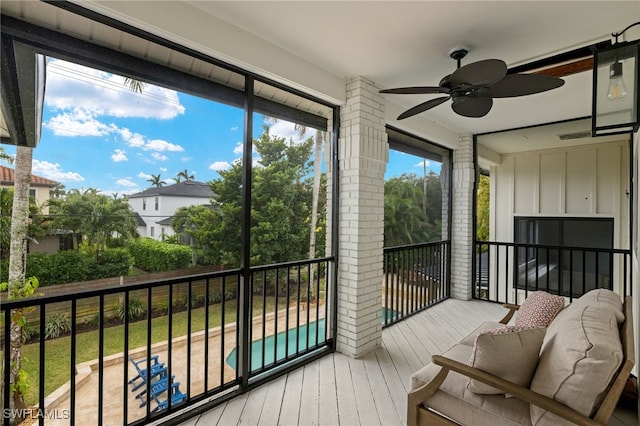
(512, 310)
(418, 413)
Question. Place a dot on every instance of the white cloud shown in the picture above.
(163, 169)
(160, 145)
(52, 171)
(80, 122)
(72, 86)
(135, 140)
(144, 175)
(238, 148)
(126, 182)
(421, 163)
(77, 122)
(234, 129)
(287, 130)
(119, 155)
(159, 157)
(220, 165)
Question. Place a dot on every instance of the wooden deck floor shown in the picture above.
(339, 390)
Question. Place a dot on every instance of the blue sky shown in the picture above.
(97, 133)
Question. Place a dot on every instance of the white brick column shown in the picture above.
(363, 154)
(462, 219)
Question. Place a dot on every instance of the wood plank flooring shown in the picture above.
(369, 391)
(339, 390)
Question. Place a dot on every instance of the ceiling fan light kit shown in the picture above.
(473, 87)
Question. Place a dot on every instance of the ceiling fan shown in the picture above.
(472, 87)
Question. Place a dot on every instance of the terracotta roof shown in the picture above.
(7, 178)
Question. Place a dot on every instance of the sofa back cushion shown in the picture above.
(580, 355)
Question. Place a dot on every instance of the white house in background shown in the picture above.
(156, 206)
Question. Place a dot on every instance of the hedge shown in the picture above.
(156, 256)
(73, 266)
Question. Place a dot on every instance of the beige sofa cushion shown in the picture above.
(605, 298)
(580, 354)
(455, 401)
(470, 339)
(508, 352)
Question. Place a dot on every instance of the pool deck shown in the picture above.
(219, 372)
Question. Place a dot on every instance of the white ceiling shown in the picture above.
(406, 43)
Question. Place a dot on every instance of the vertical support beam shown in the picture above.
(244, 293)
(363, 155)
(462, 224)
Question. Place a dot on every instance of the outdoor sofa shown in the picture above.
(556, 366)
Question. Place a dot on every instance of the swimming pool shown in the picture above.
(294, 335)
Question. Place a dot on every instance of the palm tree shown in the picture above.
(184, 174)
(135, 85)
(17, 266)
(5, 157)
(156, 181)
(57, 191)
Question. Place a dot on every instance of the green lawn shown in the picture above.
(57, 351)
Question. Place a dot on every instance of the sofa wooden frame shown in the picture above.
(419, 414)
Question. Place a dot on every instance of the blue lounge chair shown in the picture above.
(177, 396)
(158, 369)
(156, 388)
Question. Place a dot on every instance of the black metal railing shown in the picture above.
(415, 277)
(189, 326)
(507, 272)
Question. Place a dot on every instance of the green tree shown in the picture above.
(94, 216)
(282, 192)
(407, 219)
(156, 181)
(57, 191)
(482, 208)
(184, 175)
(5, 157)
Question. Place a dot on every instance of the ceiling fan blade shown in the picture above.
(469, 106)
(417, 90)
(481, 73)
(522, 85)
(423, 107)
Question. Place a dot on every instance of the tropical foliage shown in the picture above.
(482, 224)
(281, 205)
(412, 209)
(98, 218)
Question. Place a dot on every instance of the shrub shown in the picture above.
(163, 307)
(156, 256)
(136, 310)
(29, 333)
(73, 266)
(55, 325)
(112, 263)
(195, 300)
(215, 297)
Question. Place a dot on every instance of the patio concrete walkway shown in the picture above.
(219, 372)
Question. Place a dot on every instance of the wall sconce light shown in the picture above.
(616, 76)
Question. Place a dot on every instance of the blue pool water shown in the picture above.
(293, 335)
